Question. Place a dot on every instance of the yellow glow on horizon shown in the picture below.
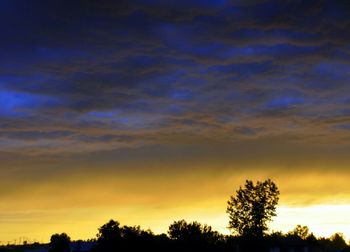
(80, 203)
(322, 220)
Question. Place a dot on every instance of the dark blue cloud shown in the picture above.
(343, 126)
(162, 66)
(284, 102)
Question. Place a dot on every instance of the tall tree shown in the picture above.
(252, 207)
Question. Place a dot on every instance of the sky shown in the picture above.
(150, 111)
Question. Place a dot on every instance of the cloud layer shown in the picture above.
(111, 75)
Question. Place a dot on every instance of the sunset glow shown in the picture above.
(148, 112)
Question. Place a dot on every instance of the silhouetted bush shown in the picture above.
(60, 243)
(113, 237)
(193, 235)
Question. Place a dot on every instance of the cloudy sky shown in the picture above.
(149, 111)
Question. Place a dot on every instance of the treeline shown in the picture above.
(193, 236)
(187, 236)
(249, 211)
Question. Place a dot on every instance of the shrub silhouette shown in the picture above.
(60, 243)
(113, 237)
(109, 232)
(300, 231)
(193, 235)
(193, 231)
(338, 241)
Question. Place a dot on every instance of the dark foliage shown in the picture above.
(113, 237)
(252, 207)
(193, 235)
(60, 243)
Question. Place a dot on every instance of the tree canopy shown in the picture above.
(300, 231)
(60, 243)
(195, 231)
(252, 207)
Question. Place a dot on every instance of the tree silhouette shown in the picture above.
(252, 207)
(113, 237)
(300, 231)
(194, 231)
(194, 236)
(109, 231)
(60, 243)
(338, 241)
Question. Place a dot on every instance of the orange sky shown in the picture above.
(78, 203)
